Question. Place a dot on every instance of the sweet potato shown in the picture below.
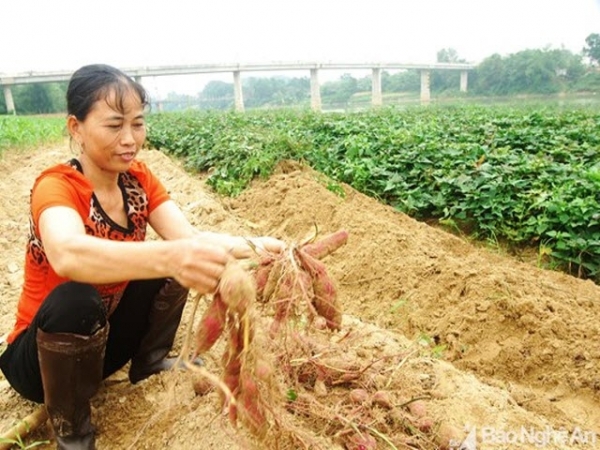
(211, 324)
(261, 277)
(363, 441)
(249, 399)
(447, 435)
(232, 365)
(325, 301)
(359, 396)
(282, 301)
(425, 424)
(232, 413)
(264, 370)
(237, 288)
(231, 378)
(273, 280)
(201, 385)
(293, 287)
(382, 399)
(326, 245)
(325, 293)
(282, 309)
(417, 408)
(305, 289)
(235, 344)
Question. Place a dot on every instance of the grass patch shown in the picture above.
(25, 132)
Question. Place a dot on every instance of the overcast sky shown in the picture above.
(40, 35)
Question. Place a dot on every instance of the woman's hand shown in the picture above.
(267, 244)
(199, 264)
(241, 247)
(247, 247)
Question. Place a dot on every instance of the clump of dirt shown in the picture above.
(455, 336)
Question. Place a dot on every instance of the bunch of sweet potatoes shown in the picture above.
(291, 280)
(231, 312)
(296, 280)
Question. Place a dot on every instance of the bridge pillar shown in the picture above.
(425, 86)
(8, 98)
(237, 91)
(315, 90)
(463, 80)
(376, 97)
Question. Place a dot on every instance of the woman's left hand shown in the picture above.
(268, 244)
(241, 247)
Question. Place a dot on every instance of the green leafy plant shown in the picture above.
(19, 443)
(502, 174)
(436, 350)
(18, 132)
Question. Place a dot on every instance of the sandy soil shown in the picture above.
(459, 336)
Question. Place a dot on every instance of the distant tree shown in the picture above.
(43, 98)
(489, 76)
(365, 83)
(592, 48)
(276, 91)
(534, 71)
(217, 89)
(446, 80)
(217, 95)
(340, 91)
(405, 81)
(449, 55)
(348, 84)
(176, 102)
(590, 82)
(298, 90)
(259, 91)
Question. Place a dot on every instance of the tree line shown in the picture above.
(531, 71)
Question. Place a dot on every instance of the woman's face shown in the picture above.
(109, 138)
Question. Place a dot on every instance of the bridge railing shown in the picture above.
(8, 80)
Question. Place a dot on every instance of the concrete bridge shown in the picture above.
(8, 80)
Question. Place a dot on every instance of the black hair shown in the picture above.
(93, 82)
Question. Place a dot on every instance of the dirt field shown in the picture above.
(474, 338)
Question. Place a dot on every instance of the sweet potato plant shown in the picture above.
(524, 176)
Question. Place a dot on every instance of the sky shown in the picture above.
(45, 35)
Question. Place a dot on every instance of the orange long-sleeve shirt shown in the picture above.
(65, 185)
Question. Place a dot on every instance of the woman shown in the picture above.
(96, 295)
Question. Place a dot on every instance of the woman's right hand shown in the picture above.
(199, 265)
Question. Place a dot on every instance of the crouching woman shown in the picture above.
(96, 294)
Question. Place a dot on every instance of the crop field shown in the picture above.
(526, 177)
(30, 131)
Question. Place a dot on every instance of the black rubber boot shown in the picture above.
(71, 367)
(163, 321)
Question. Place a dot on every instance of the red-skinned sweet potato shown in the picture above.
(326, 245)
(237, 288)
(211, 325)
(325, 294)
